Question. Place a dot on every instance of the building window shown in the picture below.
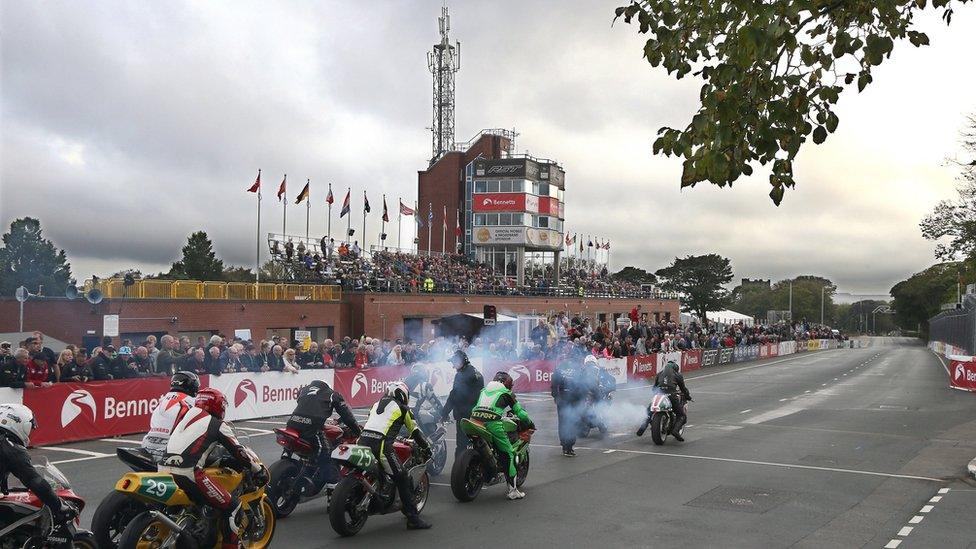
(518, 186)
(543, 189)
(491, 219)
(543, 222)
(480, 186)
(493, 186)
(505, 219)
(505, 186)
(479, 219)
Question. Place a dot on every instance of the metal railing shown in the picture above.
(115, 288)
(956, 327)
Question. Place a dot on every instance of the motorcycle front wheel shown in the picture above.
(345, 518)
(262, 539)
(467, 476)
(522, 469)
(84, 540)
(282, 492)
(112, 516)
(436, 466)
(145, 532)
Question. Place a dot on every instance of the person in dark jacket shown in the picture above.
(16, 424)
(106, 365)
(468, 384)
(13, 368)
(569, 392)
(672, 382)
(316, 403)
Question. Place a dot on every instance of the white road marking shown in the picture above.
(916, 519)
(926, 509)
(767, 464)
(439, 484)
(60, 461)
(121, 440)
(610, 451)
(943, 490)
(77, 451)
(254, 430)
(905, 531)
(935, 499)
(267, 422)
(783, 399)
(893, 544)
(746, 411)
(943, 364)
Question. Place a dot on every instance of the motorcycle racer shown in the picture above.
(316, 403)
(172, 405)
(385, 420)
(494, 399)
(197, 433)
(672, 382)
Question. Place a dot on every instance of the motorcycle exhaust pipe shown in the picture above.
(161, 517)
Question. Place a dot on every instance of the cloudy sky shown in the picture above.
(128, 125)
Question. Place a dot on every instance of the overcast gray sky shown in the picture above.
(128, 125)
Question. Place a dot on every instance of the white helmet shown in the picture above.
(399, 392)
(18, 420)
(590, 359)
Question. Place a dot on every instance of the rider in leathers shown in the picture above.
(16, 424)
(422, 396)
(495, 398)
(198, 433)
(671, 382)
(316, 403)
(386, 418)
(172, 405)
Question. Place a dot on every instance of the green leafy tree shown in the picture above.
(272, 271)
(28, 259)
(919, 298)
(199, 261)
(859, 317)
(806, 298)
(700, 280)
(752, 299)
(955, 220)
(237, 274)
(634, 275)
(772, 73)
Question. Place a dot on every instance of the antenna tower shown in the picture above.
(443, 62)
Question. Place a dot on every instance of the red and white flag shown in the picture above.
(386, 215)
(457, 228)
(330, 199)
(445, 217)
(281, 189)
(256, 187)
(404, 210)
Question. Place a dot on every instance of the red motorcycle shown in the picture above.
(26, 522)
(296, 477)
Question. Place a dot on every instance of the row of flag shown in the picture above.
(589, 243)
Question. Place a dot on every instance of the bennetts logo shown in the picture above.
(244, 388)
(71, 408)
(359, 384)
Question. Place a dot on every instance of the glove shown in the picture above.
(531, 425)
(262, 476)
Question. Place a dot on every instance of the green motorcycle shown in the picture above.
(479, 465)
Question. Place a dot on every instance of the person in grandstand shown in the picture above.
(172, 405)
(195, 436)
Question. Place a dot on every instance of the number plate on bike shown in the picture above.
(159, 488)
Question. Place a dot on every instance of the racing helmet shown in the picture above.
(505, 379)
(212, 401)
(185, 382)
(17, 420)
(590, 359)
(398, 391)
(419, 369)
(673, 365)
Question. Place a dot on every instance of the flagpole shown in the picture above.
(444, 232)
(348, 216)
(284, 208)
(364, 221)
(430, 224)
(308, 210)
(257, 244)
(457, 227)
(379, 239)
(399, 223)
(329, 237)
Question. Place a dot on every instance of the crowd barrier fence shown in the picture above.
(961, 370)
(68, 412)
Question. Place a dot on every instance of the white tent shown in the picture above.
(729, 317)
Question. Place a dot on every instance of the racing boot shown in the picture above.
(513, 491)
(414, 522)
(643, 427)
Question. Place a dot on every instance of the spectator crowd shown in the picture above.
(558, 337)
(391, 271)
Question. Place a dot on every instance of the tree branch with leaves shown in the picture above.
(772, 71)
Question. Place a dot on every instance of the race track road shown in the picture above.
(841, 448)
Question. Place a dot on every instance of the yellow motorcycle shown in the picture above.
(181, 524)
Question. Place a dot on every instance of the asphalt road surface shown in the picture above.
(841, 448)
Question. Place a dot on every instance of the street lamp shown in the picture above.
(822, 288)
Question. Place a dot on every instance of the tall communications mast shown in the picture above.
(443, 62)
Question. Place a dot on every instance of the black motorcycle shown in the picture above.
(661, 417)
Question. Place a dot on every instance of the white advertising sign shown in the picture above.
(265, 394)
(110, 325)
(244, 334)
(617, 367)
(304, 337)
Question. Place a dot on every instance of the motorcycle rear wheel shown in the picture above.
(659, 428)
(112, 516)
(282, 490)
(84, 540)
(145, 532)
(343, 516)
(467, 476)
